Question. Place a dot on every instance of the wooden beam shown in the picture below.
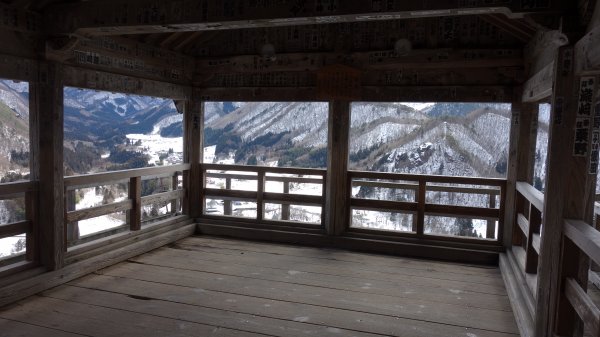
(520, 155)
(539, 86)
(521, 31)
(46, 97)
(337, 191)
(99, 80)
(146, 16)
(122, 56)
(583, 305)
(14, 228)
(93, 212)
(541, 50)
(412, 78)
(533, 196)
(569, 194)
(106, 178)
(371, 93)
(134, 214)
(383, 59)
(191, 37)
(193, 155)
(586, 237)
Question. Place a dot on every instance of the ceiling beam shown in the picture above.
(367, 94)
(151, 16)
(124, 56)
(380, 60)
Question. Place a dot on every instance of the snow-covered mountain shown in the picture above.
(99, 116)
(14, 122)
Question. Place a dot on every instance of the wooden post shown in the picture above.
(193, 154)
(337, 192)
(174, 186)
(32, 234)
(569, 194)
(421, 205)
(72, 228)
(535, 220)
(491, 224)
(46, 103)
(521, 156)
(260, 190)
(227, 210)
(135, 195)
(285, 208)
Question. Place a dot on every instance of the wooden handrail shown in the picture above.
(433, 188)
(304, 180)
(583, 305)
(134, 202)
(265, 169)
(427, 178)
(535, 197)
(17, 187)
(14, 228)
(116, 176)
(584, 236)
(93, 212)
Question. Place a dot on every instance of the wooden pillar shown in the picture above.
(285, 208)
(521, 156)
(46, 103)
(337, 211)
(134, 215)
(569, 194)
(193, 154)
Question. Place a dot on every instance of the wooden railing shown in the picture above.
(527, 231)
(258, 194)
(420, 206)
(133, 204)
(578, 238)
(28, 191)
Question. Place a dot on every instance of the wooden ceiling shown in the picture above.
(461, 49)
(209, 28)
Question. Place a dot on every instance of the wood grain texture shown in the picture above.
(533, 195)
(47, 96)
(583, 305)
(168, 17)
(92, 212)
(27, 287)
(134, 214)
(337, 191)
(584, 236)
(109, 177)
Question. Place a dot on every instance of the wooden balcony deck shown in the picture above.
(203, 286)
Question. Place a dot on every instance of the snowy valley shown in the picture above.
(108, 131)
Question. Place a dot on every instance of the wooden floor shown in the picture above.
(204, 286)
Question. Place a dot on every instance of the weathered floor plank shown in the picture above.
(494, 320)
(10, 328)
(412, 289)
(216, 287)
(338, 255)
(454, 273)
